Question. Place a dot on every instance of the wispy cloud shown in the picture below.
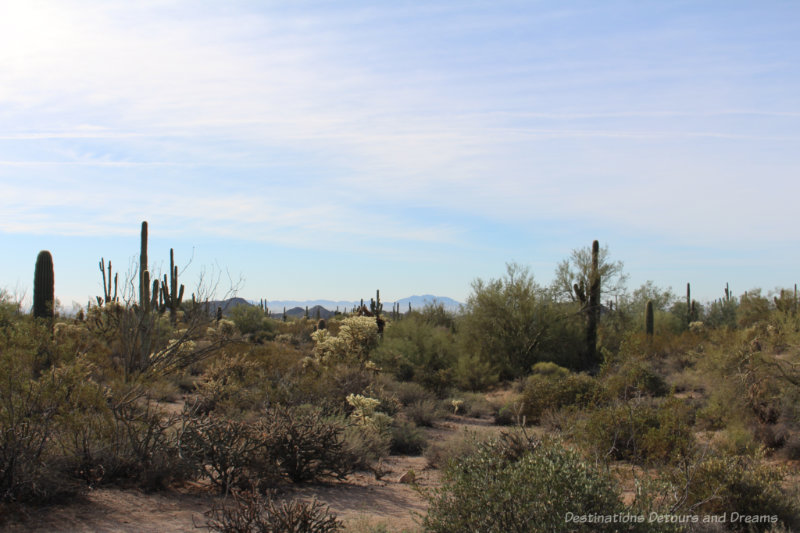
(454, 109)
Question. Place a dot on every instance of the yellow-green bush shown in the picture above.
(542, 392)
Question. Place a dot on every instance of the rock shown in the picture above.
(408, 477)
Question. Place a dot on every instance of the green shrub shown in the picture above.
(641, 431)
(473, 404)
(736, 484)
(509, 415)
(548, 368)
(490, 491)
(440, 453)
(632, 378)
(417, 349)
(424, 412)
(250, 319)
(408, 392)
(544, 392)
(407, 439)
(365, 446)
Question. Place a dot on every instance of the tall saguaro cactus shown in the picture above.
(108, 296)
(648, 319)
(144, 286)
(172, 295)
(593, 310)
(44, 286)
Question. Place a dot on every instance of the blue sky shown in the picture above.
(328, 149)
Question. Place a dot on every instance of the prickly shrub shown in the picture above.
(304, 445)
(223, 451)
(251, 512)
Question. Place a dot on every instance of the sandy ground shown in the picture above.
(360, 499)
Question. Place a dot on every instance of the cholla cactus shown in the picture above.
(223, 329)
(363, 407)
(358, 335)
(456, 405)
(365, 415)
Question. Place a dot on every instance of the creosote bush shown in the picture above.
(530, 490)
(641, 431)
(550, 391)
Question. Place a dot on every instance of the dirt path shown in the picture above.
(360, 499)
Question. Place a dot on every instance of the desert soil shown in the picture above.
(360, 499)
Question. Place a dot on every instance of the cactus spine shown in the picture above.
(648, 318)
(44, 286)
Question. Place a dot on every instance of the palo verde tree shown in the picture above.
(512, 323)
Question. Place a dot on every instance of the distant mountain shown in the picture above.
(417, 302)
(327, 308)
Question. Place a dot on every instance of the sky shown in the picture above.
(317, 149)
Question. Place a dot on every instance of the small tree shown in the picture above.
(512, 323)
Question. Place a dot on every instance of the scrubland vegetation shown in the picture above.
(690, 411)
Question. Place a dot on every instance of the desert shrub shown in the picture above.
(472, 373)
(491, 491)
(226, 452)
(641, 431)
(407, 439)
(303, 444)
(409, 392)
(135, 441)
(231, 385)
(440, 453)
(543, 392)
(736, 440)
(752, 309)
(31, 410)
(424, 412)
(328, 387)
(735, 484)
(251, 512)
(419, 350)
(632, 377)
(365, 446)
(471, 404)
(250, 319)
(510, 414)
(548, 368)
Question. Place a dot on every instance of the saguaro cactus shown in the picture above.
(108, 296)
(648, 318)
(172, 294)
(44, 286)
(593, 310)
(144, 286)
